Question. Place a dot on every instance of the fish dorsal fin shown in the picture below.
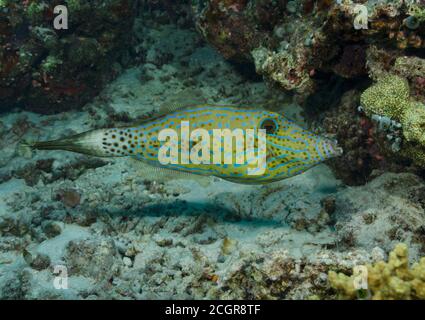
(162, 175)
(184, 99)
(173, 107)
(166, 109)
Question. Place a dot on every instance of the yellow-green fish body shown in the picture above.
(290, 150)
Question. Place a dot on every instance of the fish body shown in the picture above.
(290, 150)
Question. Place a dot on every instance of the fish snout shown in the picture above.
(331, 148)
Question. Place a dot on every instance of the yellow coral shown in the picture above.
(413, 123)
(386, 280)
(388, 97)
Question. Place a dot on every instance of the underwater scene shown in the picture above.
(212, 149)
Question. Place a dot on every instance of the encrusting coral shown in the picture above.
(386, 280)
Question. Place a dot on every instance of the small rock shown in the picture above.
(164, 242)
(38, 262)
(329, 204)
(323, 218)
(52, 229)
(147, 258)
(207, 237)
(127, 261)
(70, 198)
(291, 6)
(92, 257)
(378, 254)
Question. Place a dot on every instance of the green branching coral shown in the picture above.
(386, 280)
(389, 97)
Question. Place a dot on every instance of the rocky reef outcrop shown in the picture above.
(398, 94)
(303, 45)
(49, 70)
(290, 42)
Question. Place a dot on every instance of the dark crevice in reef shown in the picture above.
(329, 92)
(247, 70)
(48, 70)
(416, 52)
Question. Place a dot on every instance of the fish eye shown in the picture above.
(270, 125)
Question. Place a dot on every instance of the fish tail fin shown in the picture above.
(89, 143)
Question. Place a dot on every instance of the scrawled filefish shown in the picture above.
(289, 149)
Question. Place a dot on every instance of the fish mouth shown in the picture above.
(332, 148)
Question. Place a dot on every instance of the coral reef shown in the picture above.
(122, 235)
(298, 44)
(49, 70)
(398, 94)
(388, 97)
(291, 41)
(371, 144)
(386, 280)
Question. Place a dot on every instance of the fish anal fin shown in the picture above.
(163, 175)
